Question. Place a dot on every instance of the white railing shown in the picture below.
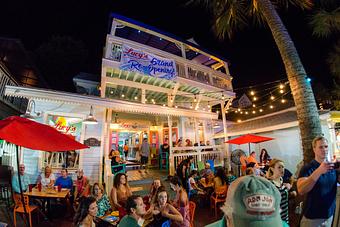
(14, 102)
(200, 153)
(185, 68)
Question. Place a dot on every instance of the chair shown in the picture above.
(192, 208)
(219, 196)
(212, 165)
(200, 166)
(19, 208)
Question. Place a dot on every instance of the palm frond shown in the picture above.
(230, 17)
(324, 23)
(333, 61)
(255, 14)
(302, 4)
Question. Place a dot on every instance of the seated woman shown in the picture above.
(163, 211)
(181, 202)
(193, 187)
(220, 178)
(115, 157)
(103, 202)
(120, 191)
(152, 197)
(86, 213)
(47, 178)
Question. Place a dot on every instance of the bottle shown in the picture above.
(39, 187)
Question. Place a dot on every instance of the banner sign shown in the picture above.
(138, 61)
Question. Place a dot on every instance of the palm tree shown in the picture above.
(325, 23)
(232, 14)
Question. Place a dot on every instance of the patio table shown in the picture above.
(47, 195)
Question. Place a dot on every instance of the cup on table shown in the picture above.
(30, 187)
(39, 187)
(56, 188)
(59, 188)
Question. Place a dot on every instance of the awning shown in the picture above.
(114, 104)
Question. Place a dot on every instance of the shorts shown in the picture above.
(144, 160)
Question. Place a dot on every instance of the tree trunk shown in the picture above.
(307, 112)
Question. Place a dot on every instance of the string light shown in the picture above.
(255, 98)
(254, 105)
(281, 91)
(252, 93)
(254, 112)
(261, 110)
(246, 112)
(123, 95)
(239, 109)
(283, 101)
(176, 107)
(209, 105)
(281, 86)
(272, 97)
(136, 97)
(223, 96)
(271, 106)
(163, 104)
(239, 121)
(195, 100)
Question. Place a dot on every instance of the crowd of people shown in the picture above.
(266, 179)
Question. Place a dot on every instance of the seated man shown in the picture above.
(206, 171)
(251, 201)
(82, 185)
(135, 209)
(23, 178)
(64, 180)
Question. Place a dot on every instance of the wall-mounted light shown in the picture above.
(90, 120)
(30, 111)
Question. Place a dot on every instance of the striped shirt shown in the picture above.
(284, 201)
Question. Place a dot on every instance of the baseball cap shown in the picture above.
(254, 202)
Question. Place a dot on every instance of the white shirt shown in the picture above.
(46, 181)
(191, 181)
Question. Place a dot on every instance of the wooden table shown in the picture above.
(51, 193)
(47, 195)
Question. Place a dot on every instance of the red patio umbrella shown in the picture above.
(249, 138)
(30, 134)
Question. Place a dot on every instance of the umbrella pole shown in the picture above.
(20, 186)
(249, 148)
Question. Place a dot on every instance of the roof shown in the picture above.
(19, 63)
(278, 120)
(162, 44)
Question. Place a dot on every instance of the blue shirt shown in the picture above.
(24, 182)
(64, 182)
(320, 201)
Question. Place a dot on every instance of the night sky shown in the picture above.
(252, 53)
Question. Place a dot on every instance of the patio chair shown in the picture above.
(19, 208)
(219, 196)
(192, 208)
(200, 166)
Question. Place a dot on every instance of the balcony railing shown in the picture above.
(5, 79)
(185, 68)
(200, 153)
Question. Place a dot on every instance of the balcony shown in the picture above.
(5, 79)
(187, 70)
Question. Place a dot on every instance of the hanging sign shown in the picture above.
(138, 61)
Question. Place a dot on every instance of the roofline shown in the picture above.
(154, 29)
(115, 104)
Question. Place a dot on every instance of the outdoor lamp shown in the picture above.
(90, 120)
(31, 109)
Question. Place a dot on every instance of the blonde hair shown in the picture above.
(272, 164)
(318, 138)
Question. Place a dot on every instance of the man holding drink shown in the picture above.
(318, 179)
